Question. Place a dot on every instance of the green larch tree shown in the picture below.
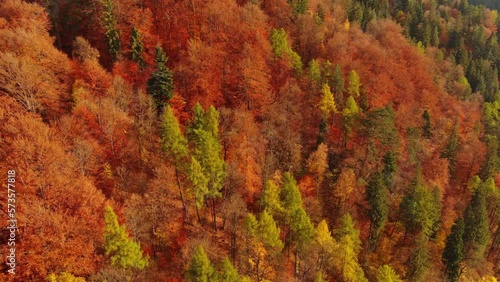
(354, 84)
(349, 248)
(161, 84)
(337, 84)
(200, 268)
(174, 145)
(386, 274)
(327, 103)
(229, 273)
(124, 252)
(199, 184)
(349, 116)
(269, 233)
(270, 199)
(418, 262)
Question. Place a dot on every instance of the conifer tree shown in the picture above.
(349, 248)
(161, 86)
(451, 150)
(338, 82)
(386, 274)
(124, 252)
(208, 152)
(110, 30)
(174, 144)
(349, 116)
(476, 233)
(327, 103)
(200, 184)
(426, 128)
(269, 233)
(314, 72)
(136, 48)
(228, 272)
(454, 250)
(200, 268)
(376, 194)
(290, 194)
(270, 199)
(418, 263)
(354, 84)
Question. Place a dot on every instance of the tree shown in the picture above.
(386, 274)
(161, 86)
(136, 47)
(268, 232)
(200, 268)
(376, 194)
(337, 83)
(354, 84)
(174, 144)
(314, 72)
(349, 248)
(228, 272)
(290, 195)
(349, 116)
(204, 134)
(451, 150)
(317, 164)
(110, 28)
(426, 128)
(418, 263)
(299, 6)
(124, 252)
(327, 103)
(270, 199)
(421, 208)
(64, 277)
(199, 182)
(476, 233)
(454, 250)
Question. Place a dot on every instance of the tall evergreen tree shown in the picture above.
(350, 246)
(418, 263)
(208, 152)
(136, 48)
(386, 274)
(228, 272)
(376, 194)
(161, 84)
(110, 30)
(454, 250)
(124, 252)
(200, 268)
(354, 84)
(426, 128)
(477, 233)
(174, 144)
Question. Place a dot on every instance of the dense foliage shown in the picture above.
(235, 140)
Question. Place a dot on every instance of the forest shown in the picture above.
(250, 140)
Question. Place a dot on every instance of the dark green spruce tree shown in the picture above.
(161, 84)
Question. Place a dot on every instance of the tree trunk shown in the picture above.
(184, 207)
(214, 218)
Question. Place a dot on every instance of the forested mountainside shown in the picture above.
(259, 140)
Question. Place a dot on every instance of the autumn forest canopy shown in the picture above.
(250, 140)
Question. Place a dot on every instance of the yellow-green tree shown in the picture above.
(124, 252)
